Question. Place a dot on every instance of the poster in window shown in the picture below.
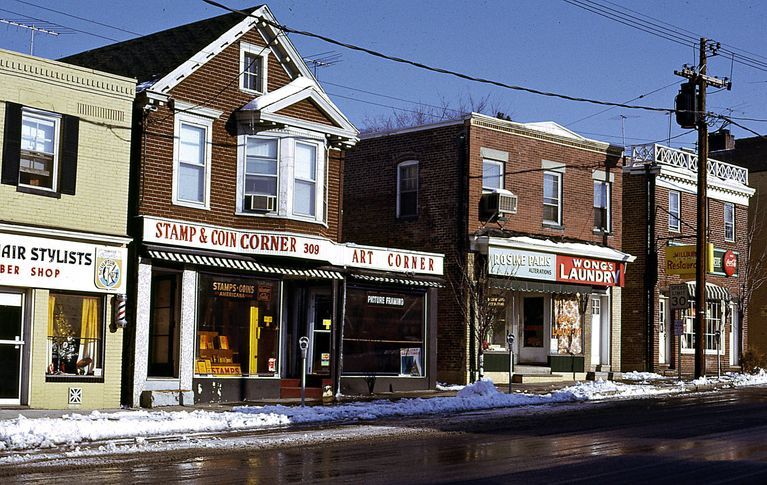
(410, 362)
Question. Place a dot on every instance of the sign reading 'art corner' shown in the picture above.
(520, 263)
(266, 243)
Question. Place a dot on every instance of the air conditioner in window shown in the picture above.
(497, 203)
(261, 203)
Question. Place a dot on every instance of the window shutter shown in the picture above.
(70, 135)
(11, 144)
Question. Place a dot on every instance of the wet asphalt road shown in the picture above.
(718, 437)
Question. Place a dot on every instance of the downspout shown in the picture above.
(651, 266)
(462, 231)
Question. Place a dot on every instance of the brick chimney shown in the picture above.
(721, 140)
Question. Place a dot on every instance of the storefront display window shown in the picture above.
(75, 332)
(567, 327)
(238, 327)
(384, 332)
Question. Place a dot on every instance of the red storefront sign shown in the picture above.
(729, 263)
(590, 271)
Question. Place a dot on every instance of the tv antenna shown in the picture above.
(323, 59)
(37, 27)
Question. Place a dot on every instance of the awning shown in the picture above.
(242, 264)
(397, 280)
(540, 287)
(713, 292)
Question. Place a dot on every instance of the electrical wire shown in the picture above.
(629, 101)
(66, 27)
(78, 18)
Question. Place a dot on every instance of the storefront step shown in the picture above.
(545, 378)
(154, 399)
(531, 369)
(291, 388)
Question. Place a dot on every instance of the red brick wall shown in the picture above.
(215, 85)
(634, 320)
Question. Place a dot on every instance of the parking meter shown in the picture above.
(510, 343)
(303, 344)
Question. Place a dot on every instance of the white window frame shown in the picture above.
(677, 214)
(199, 122)
(263, 53)
(608, 204)
(731, 222)
(56, 119)
(502, 166)
(245, 163)
(287, 140)
(712, 322)
(400, 166)
(559, 177)
(316, 181)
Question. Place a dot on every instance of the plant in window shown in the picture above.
(64, 348)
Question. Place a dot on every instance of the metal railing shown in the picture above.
(673, 157)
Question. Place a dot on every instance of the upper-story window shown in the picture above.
(729, 221)
(281, 175)
(192, 155)
(552, 198)
(407, 189)
(492, 174)
(602, 206)
(39, 150)
(253, 68)
(674, 204)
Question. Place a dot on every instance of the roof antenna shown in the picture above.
(43, 28)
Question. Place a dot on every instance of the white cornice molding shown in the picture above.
(64, 234)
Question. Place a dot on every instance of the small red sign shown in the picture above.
(591, 271)
(729, 263)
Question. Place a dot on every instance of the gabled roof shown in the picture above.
(554, 128)
(267, 108)
(150, 57)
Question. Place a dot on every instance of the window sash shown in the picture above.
(192, 163)
(713, 323)
(492, 174)
(305, 180)
(261, 171)
(602, 205)
(252, 72)
(407, 189)
(552, 197)
(674, 201)
(729, 221)
(38, 164)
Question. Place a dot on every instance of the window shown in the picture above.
(674, 203)
(662, 315)
(729, 221)
(407, 189)
(75, 332)
(261, 178)
(282, 176)
(238, 327)
(492, 175)
(602, 206)
(253, 62)
(192, 154)
(305, 180)
(552, 198)
(164, 326)
(384, 332)
(713, 325)
(39, 150)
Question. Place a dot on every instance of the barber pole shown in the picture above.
(120, 313)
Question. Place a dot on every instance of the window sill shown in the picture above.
(80, 379)
(708, 352)
(191, 205)
(26, 189)
(553, 225)
(601, 231)
(273, 215)
(252, 91)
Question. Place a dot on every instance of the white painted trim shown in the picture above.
(198, 110)
(200, 122)
(400, 165)
(609, 208)
(54, 118)
(734, 219)
(678, 214)
(560, 202)
(493, 154)
(503, 173)
(64, 234)
(263, 53)
(598, 252)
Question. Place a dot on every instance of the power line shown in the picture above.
(78, 18)
(629, 101)
(421, 65)
(66, 27)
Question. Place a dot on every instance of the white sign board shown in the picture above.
(267, 243)
(678, 297)
(520, 263)
(38, 262)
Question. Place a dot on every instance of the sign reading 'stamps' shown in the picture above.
(682, 260)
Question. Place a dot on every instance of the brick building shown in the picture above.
(236, 210)
(659, 193)
(751, 153)
(441, 188)
(65, 138)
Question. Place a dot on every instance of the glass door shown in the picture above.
(321, 315)
(11, 345)
(534, 336)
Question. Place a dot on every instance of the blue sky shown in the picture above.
(548, 45)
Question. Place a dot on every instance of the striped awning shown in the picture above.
(713, 292)
(397, 280)
(525, 286)
(244, 265)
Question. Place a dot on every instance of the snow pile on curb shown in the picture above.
(643, 376)
(23, 433)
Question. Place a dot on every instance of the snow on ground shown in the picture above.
(644, 376)
(441, 386)
(24, 433)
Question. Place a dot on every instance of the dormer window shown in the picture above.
(253, 62)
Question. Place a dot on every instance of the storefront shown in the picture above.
(560, 300)
(226, 309)
(61, 318)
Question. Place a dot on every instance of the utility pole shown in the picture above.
(702, 80)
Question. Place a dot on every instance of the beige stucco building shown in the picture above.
(65, 137)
